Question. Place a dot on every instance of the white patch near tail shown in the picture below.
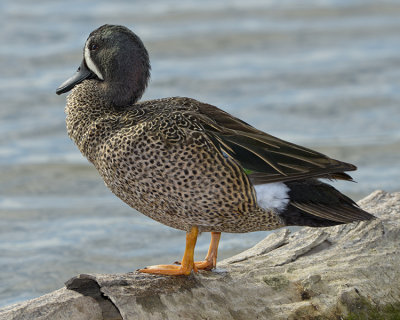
(272, 195)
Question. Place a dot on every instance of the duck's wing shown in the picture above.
(266, 158)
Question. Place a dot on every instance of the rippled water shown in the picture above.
(324, 74)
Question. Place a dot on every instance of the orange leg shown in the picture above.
(187, 261)
(210, 262)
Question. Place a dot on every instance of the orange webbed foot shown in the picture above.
(187, 261)
(210, 262)
(187, 265)
(169, 269)
(205, 265)
(201, 265)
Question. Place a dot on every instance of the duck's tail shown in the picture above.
(317, 204)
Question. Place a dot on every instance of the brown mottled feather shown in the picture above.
(157, 157)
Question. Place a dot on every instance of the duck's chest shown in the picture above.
(168, 181)
(144, 170)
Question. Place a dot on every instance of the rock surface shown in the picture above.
(314, 273)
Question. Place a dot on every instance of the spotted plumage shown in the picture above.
(188, 164)
(156, 156)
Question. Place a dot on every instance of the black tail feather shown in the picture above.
(316, 204)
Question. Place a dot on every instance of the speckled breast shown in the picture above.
(178, 186)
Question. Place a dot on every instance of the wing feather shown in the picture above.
(268, 158)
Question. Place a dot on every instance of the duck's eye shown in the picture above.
(93, 47)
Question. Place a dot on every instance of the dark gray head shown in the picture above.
(117, 58)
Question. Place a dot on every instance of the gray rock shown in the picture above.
(62, 304)
(313, 273)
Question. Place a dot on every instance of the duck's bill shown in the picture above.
(81, 74)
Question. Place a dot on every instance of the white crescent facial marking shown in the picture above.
(90, 64)
(272, 195)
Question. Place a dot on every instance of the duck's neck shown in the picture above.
(124, 84)
(89, 117)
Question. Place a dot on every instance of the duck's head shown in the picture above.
(116, 58)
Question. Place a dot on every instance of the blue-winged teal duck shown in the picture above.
(188, 164)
